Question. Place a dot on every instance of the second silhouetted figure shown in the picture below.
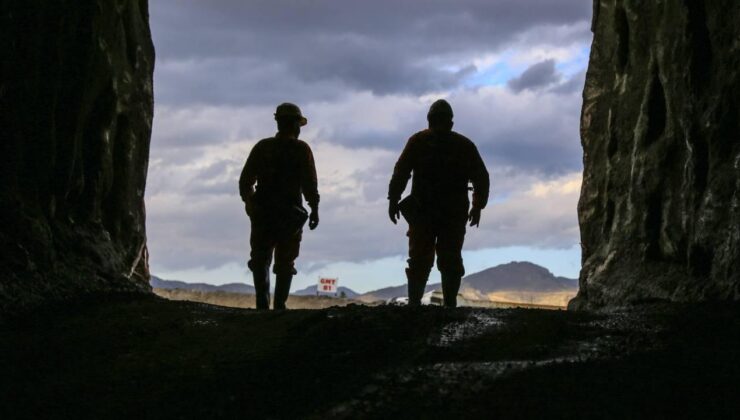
(443, 162)
(283, 168)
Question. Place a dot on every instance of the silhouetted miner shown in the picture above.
(283, 168)
(443, 162)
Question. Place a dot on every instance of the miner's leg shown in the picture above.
(450, 262)
(282, 290)
(421, 259)
(286, 253)
(261, 278)
(450, 288)
(259, 263)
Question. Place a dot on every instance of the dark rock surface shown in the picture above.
(660, 203)
(147, 358)
(76, 114)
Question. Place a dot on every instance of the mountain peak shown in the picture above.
(517, 275)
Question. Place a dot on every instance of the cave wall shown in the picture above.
(660, 203)
(76, 111)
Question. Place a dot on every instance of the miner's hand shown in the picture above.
(474, 217)
(313, 219)
(394, 212)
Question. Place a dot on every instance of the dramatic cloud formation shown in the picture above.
(246, 52)
(536, 76)
(365, 74)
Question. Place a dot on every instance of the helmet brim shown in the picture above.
(301, 119)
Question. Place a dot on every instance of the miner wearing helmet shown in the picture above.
(283, 169)
(442, 162)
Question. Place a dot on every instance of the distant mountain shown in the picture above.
(515, 281)
(311, 291)
(243, 288)
(529, 281)
(518, 276)
(158, 283)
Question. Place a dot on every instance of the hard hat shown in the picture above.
(288, 110)
(440, 107)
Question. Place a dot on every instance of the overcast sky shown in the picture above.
(364, 73)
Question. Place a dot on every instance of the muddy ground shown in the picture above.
(151, 358)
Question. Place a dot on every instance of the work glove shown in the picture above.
(394, 211)
(474, 217)
(313, 219)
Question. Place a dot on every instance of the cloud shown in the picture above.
(365, 74)
(573, 85)
(235, 81)
(196, 219)
(191, 224)
(542, 215)
(222, 27)
(195, 216)
(259, 52)
(537, 76)
(531, 131)
(544, 76)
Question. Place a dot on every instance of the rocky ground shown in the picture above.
(152, 358)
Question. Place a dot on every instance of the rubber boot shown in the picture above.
(261, 278)
(416, 285)
(450, 288)
(282, 290)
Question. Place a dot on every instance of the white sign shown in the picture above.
(327, 285)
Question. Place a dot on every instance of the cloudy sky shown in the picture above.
(364, 73)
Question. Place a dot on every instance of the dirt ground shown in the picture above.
(246, 301)
(152, 358)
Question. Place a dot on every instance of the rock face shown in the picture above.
(76, 112)
(660, 203)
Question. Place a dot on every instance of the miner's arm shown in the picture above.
(310, 187)
(399, 180)
(249, 176)
(480, 179)
(401, 172)
(309, 180)
(481, 185)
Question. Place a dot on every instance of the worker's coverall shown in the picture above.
(442, 164)
(283, 168)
